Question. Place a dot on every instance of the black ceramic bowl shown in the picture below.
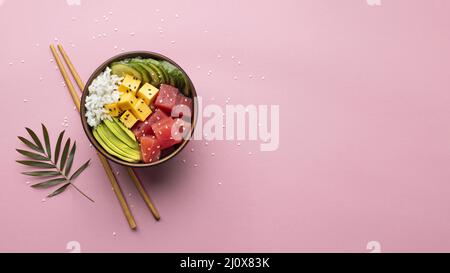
(167, 154)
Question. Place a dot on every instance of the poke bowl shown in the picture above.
(139, 109)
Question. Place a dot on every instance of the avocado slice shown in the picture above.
(103, 144)
(144, 73)
(168, 68)
(125, 129)
(160, 75)
(175, 74)
(120, 134)
(121, 69)
(155, 77)
(164, 74)
(115, 144)
(152, 73)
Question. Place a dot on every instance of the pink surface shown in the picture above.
(364, 135)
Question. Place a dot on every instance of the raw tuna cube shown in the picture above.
(150, 149)
(182, 100)
(166, 98)
(163, 132)
(158, 115)
(144, 128)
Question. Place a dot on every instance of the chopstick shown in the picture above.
(130, 171)
(143, 193)
(105, 163)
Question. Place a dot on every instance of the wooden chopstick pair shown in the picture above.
(115, 185)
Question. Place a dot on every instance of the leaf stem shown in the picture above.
(73, 185)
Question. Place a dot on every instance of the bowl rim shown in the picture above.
(101, 68)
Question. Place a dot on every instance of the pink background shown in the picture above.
(365, 126)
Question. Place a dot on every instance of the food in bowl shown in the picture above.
(139, 109)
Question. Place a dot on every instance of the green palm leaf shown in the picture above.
(40, 157)
(30, 144)
(64, 154)
(49, 183)
(33, 155)
(58, 146)
(46, 141)
(36, 164)
(80, 170)
(42, 173)
(59, 190)
(35, 138)
(70, 160)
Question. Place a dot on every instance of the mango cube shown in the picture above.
(113, 109)
(141, 110)
(129, 84)
(126, 101)
(148, 93)
(128, 119)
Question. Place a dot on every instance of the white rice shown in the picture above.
(103, 90)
